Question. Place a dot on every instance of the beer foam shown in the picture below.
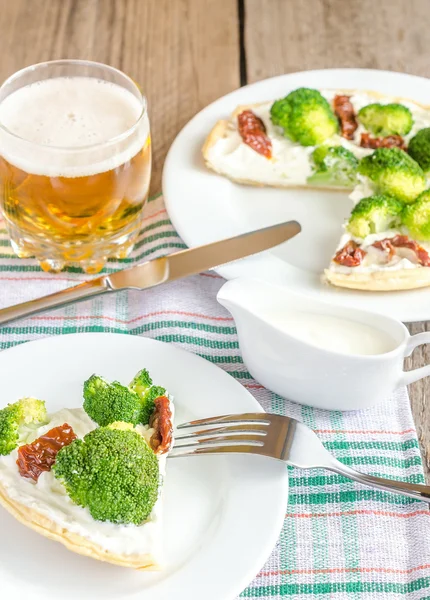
(71, 113)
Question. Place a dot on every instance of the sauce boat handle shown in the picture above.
(416, 374)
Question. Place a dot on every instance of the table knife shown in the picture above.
(160, 270)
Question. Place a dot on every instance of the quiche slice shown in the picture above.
(375, 145)
(385, 245)
(97, 489)
(310, 138)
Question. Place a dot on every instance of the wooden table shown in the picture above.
(186, 53)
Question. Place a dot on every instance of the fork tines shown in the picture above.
(262, 418)
(229, 433)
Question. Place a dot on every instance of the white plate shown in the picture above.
(205, 207)
(222, 514)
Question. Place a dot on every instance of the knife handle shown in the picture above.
(77, 293)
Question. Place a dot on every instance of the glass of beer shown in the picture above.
(75, 163)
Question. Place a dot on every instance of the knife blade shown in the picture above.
(160, 270)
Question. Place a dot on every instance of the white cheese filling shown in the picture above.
(376, 260)
(49, 497)
(363, 189)
(291, 163)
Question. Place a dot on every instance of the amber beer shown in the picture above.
(75, 165)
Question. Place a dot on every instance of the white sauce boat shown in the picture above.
(303, 371)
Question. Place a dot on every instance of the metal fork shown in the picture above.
(277, 437)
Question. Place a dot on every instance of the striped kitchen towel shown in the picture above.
(339, 539)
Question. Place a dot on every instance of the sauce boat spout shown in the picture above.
(240, 297)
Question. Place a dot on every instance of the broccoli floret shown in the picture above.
(386, 119)
(142, 385)
(15, 417)
(106, 402)
(419, 149)
(142, 381)
(375, 214)
(305, 116)
(334, 165)
(394, 173)
(416, 217)
(112, 472)
(121, 425)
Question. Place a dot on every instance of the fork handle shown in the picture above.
(413, 490)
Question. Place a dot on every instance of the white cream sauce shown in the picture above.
(333, 333)
(49, 497)
(290, 162)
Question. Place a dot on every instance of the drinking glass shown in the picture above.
(75, 163)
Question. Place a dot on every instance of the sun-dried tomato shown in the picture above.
(391, 141)
(161, 421)
(385, 246)
(40, 455)
(253, 133)
(351, 255)
(402, 241)
(345, 113)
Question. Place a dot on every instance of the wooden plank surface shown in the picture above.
(183, 53)
(283, 36)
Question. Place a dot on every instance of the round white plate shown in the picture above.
(222, 514)
(206, 207)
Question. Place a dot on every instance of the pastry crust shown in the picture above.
(221, 128)
(381, 281)
(48, 528)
